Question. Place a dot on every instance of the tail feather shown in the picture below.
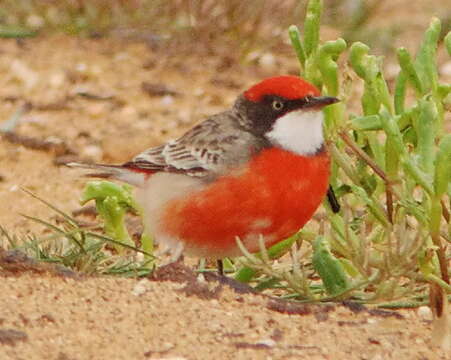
(117, 172)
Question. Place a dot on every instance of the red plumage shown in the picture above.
(288, 87)
(278, 189)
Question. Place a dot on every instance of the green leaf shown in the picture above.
(295, 38)
(326, 60)
(100, 190)
(15, 31)
(425, 62)
(112, 202)
(442, 177)
(448, 43)
(311, 26)
(365, 123)
(408, 69)
(425, 127)
(329, 268)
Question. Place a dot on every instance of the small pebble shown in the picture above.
(142, 125)
(267, 342)
(123, 56)
(35, 21)
(184, 116)
(201, 278)
(92, 152)
(14, 188)
(424, 312)
(57, 79)
(140, 287)
(166, 346)
(81, 67)
(167, 100)
(22, 72)
(377, 357)
(139, 257)
(129, 111)
(267, 61)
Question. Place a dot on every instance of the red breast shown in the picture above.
(274, 196)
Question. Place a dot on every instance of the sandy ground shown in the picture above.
(86, 100)
(49, 317)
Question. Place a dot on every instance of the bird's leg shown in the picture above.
(220, 266)
(335, 206)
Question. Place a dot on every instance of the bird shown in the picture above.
(258, 170)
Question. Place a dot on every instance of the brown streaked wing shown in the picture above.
(208, 149)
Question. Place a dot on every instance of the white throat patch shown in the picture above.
(298, 131)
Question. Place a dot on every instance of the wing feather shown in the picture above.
(207, 150)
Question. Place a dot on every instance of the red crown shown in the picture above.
(288, 87)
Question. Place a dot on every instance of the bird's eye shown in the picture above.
(277, 105)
